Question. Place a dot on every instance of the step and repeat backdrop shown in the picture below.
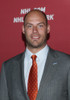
(12, 18)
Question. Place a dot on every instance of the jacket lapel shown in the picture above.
(23, 79)
(50, 62)
(21, 66)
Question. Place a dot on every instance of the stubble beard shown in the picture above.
(36, 46)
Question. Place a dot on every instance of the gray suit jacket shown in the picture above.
(55, 83)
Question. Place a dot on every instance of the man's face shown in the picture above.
(35, 30)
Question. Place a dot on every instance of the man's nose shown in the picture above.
(35, 29)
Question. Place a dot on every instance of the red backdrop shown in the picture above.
(11, 20)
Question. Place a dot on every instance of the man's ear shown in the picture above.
(23, 31)
(48, 28)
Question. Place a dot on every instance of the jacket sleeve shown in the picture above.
(3, 85)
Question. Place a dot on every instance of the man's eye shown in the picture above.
(29, 26)
(41, 25)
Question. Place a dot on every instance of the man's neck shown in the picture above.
(35, 50)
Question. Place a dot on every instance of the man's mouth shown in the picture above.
(35, 37)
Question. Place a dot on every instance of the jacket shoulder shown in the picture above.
(15, 58)
(59, 54)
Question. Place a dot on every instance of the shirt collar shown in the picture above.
(41, 54)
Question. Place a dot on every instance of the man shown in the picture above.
(52, 76)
